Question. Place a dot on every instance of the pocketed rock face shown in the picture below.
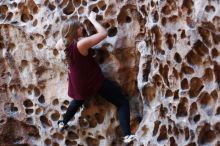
(164, 54)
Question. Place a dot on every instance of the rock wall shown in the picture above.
(165, 54)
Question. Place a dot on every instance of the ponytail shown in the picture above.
(69, 35)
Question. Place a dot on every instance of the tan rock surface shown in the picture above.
(165, 54)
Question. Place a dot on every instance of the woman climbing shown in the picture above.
(85, 76)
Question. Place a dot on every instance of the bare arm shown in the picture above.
(88, 42)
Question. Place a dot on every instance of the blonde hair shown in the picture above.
(70, 28)
(69, 36)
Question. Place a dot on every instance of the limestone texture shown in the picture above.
(165, 54)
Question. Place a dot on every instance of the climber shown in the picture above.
(85, 77)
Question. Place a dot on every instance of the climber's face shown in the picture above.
(80, 31)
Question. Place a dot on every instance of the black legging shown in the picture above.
(112, 93)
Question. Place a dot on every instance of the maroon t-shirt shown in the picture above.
(85, 76)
